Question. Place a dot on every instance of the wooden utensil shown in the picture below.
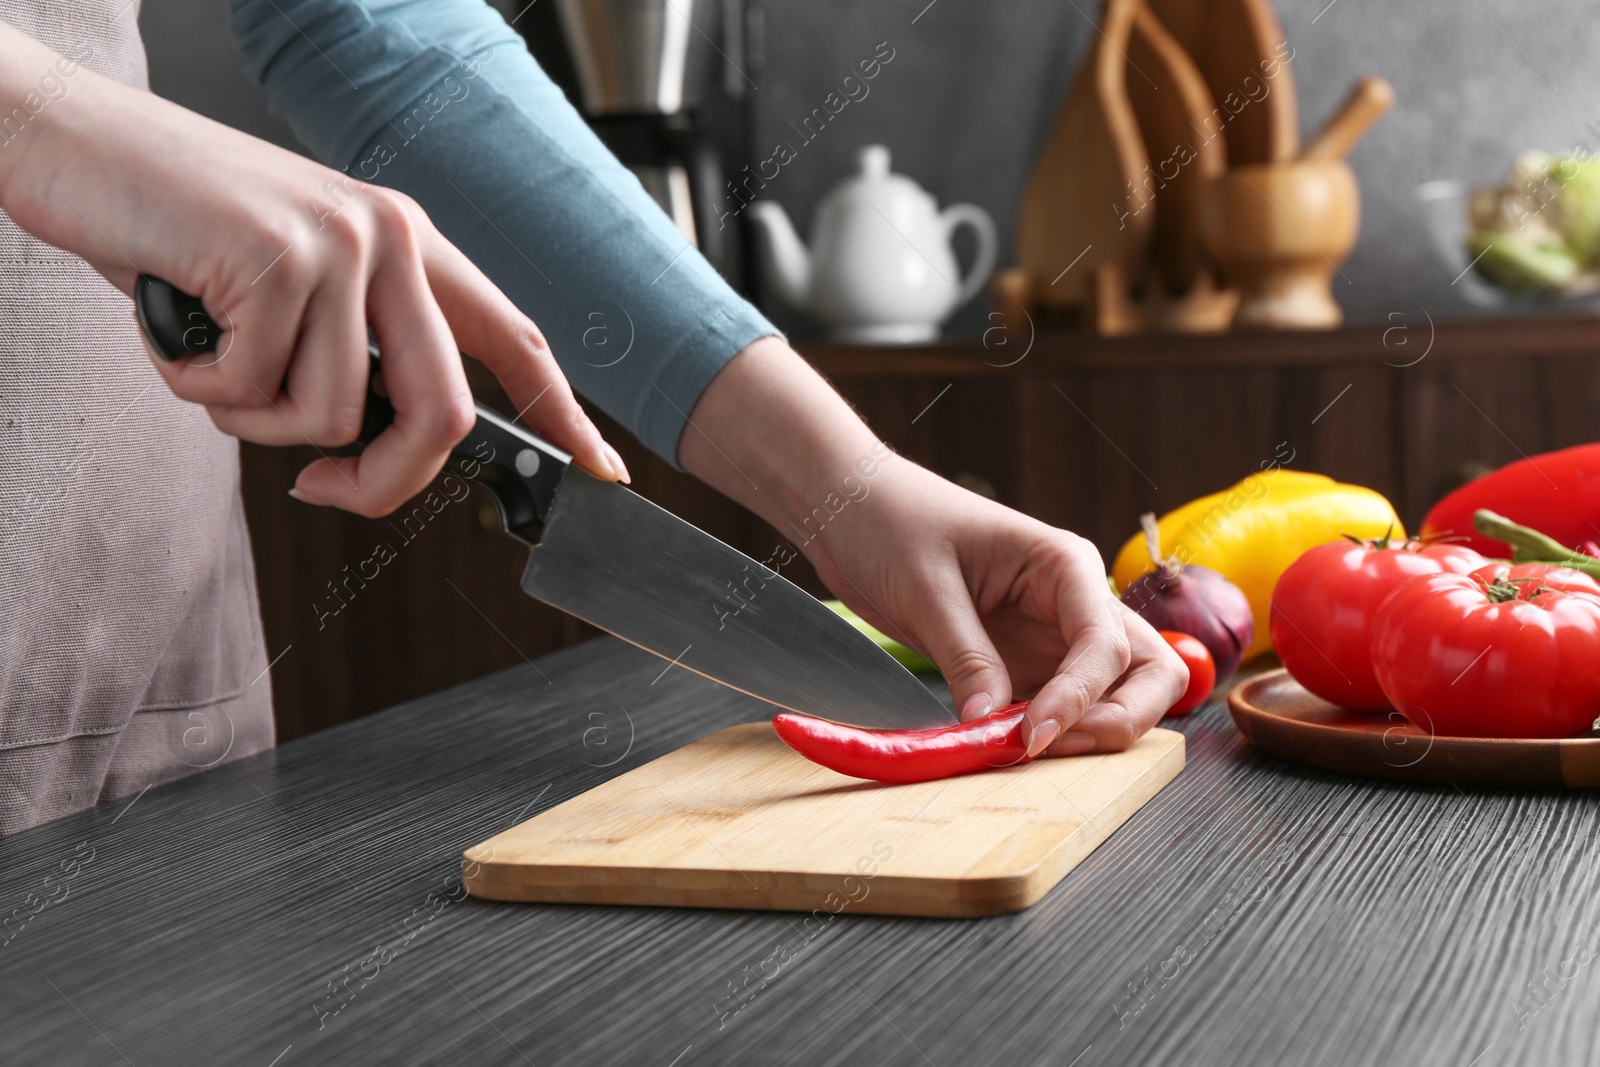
(738, 820)
(1369, 100)
(1241, 52)
(1278, 231)
(1277, 715)
(1081, 205)
(1171, 104)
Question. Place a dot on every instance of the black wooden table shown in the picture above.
(305, 907)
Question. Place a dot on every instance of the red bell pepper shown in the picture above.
(1557, 493)
(908, 755)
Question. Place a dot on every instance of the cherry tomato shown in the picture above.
(1460, 658)
(1323, 607)
(1533, 575)
(1202, 670)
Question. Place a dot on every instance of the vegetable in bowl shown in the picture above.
(1540, 230)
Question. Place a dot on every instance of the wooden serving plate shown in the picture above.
(1278, 716)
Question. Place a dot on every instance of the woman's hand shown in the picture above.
(1008, 607)
(296, 262)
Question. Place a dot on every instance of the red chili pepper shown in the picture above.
(908, 755)
(1557, 493)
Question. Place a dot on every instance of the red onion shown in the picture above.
(1193, 600)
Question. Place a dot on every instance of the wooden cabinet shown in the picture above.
(1082, 432)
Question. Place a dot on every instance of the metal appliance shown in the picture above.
(665, 84)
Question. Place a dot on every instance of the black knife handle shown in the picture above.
(520, 470)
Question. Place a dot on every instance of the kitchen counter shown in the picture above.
(304, 906)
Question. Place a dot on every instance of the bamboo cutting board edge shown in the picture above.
(1010, 876)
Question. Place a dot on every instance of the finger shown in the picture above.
(325, 392)
(491, 329)
(953, 636)
(261, 329)
(423, 377)
(1155, 680)
(1098, 651)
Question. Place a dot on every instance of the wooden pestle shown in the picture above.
(1366, 104)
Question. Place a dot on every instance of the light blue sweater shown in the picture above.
(440, 99)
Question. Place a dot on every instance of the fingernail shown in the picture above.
(977, 706)
(1043, 734)
(619, 468)
(303, 498)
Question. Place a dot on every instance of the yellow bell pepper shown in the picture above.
(1253, 531)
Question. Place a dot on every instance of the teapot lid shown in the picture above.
(873, 161)
(881, 189)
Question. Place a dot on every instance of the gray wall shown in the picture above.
(974, 85)
(1470, 97)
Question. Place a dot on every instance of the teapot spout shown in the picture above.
(785, 260)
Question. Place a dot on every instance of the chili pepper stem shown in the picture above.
(1531, 546)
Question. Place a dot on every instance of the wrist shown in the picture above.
(773, 435)
(34, 80)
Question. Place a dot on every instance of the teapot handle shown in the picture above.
(988, 246)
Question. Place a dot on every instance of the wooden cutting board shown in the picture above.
(1236, 43)
(1172, 104)
(1081, 207)
(738, 820)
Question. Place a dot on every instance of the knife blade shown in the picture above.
(605, 554)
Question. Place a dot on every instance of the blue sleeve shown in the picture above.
(441, 100)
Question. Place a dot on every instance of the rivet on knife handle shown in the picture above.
(520, 470)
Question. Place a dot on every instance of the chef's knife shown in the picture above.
(612, 558)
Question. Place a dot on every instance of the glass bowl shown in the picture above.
(1444, 211)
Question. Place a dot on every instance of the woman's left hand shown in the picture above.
(1006, 606)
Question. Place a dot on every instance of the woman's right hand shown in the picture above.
(296, 261)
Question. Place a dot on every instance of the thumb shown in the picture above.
(954, 638)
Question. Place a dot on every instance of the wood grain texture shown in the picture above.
(1254, 912)
(739, 820)
(1281, 718)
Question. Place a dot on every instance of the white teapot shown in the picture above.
(880, 269)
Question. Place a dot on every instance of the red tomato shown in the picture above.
(1202, 670)
(1462, 659)
(1322, 611)
(1533, 575)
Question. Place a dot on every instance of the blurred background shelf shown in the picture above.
(1083, 432)
(1398, 343)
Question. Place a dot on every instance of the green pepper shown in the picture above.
(909, 658)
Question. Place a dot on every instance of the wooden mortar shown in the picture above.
(1278, 231)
